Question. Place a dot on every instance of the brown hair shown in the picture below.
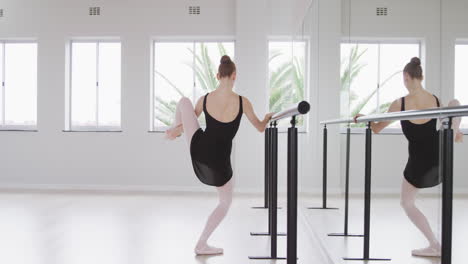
(227, 67)
(413, 68)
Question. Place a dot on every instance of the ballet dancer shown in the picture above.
(421, 170)
(210, 149)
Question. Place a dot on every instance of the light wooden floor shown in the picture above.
(392, 234)
(118, 228)
(106, 228)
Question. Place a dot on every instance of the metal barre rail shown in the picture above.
(441, 112)
(298, 109)
(336, 121)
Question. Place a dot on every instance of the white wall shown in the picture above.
(138, 159)
(251, 31)
(133, 159)
(86, 160)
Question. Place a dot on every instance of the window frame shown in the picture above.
(307, 60)
(69, 89)
(174, 39)
(379, 41)
(18, 128)
(464, 42)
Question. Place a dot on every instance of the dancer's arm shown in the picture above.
(249, 112)
(199, 106)
(378, 126)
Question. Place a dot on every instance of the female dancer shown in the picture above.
(422, 168)
(211, 149)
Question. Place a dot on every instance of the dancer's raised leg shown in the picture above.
(408, 199)
(456, 122)
(225, 200)
(185, 121)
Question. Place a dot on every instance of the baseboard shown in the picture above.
(306, 192)
(103, 188)
(122, 188)
(338, 192)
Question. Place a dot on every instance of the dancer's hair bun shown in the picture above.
(225, 59)
(416, 61)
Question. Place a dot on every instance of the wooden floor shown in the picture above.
(134, 228)
(392, 234)
(106, 228)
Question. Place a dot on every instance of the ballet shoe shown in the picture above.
(208, 250)
(431, 251)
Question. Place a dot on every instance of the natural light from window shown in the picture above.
(287, 76)
(95, 85)
(184, 69)
(461, 81)
(371, 76)
(18, 91)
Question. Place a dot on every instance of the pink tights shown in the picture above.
(408, 202)
(187, 121)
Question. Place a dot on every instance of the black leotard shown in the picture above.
(211, 149)
(422, 169)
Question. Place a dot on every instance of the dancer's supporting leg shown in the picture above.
(225, 199)
(185, 121)
(408, 199)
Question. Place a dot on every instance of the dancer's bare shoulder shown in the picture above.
(199, 106)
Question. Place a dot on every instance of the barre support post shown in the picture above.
(324, 171)
(292, 194)
(367, 199)
(273, 196)
(274, 193)
(271, 164)
(346, 213)
(447, 192)
(266, 169)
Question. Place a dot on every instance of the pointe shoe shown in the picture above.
(427, 252)
(208, 250)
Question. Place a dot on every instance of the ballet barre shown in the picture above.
(300, 108)
(445, 168)
(271, 182)
(297, 109)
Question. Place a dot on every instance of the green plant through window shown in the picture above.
(367, 83)
(286, 75)
(203, 63)
(286, 79)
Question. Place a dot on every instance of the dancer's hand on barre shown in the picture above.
(268, 117)
(266, 120)
(356, 117)
(378, 126)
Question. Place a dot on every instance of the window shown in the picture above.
(95, 86)
(18, 90)
(371, 76)
(286, 76)
(183, 69)
(461, 83)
